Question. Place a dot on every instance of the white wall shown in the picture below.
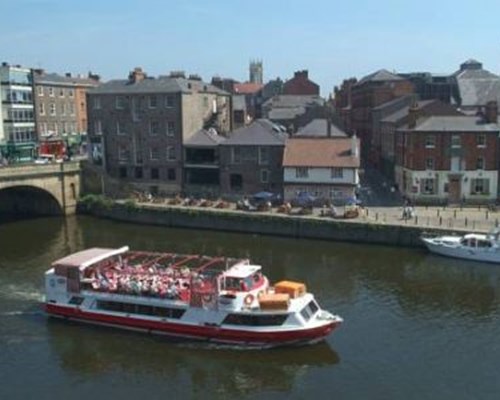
(322, 175)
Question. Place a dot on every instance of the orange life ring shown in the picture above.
(248, 299)
(207, 298)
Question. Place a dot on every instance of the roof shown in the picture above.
(88, 257)
(319, 127)
(247, 88)
(239, 102)
(454, 124)
(280, 114)
(204, 138)
(403, 112)
(162, 84)
(261, 132)
(56, 79)
(241, 271)
(320, 152)
(290, 100)
(382, 75)
(476, 86)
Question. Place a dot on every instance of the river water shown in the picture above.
(416, 326)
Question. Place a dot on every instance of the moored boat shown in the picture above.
(216, 299)
(471, 246)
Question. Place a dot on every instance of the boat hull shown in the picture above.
(201, 332)
(486, 255)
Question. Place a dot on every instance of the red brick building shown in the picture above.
(300, 84)
(449, 159)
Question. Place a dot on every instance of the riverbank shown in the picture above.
(359, 230)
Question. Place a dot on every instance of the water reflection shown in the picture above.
(93, 351)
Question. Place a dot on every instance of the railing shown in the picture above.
(13, 171)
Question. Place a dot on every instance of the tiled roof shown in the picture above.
(162, 84)
(280, 114)
(56, 79)
(204, 138)
(454, 124)
(403, 112)
(320, 152)
(247, 88)
(477, 86)
(381, 75)
(261, 132)
(286, 101)
(318, 128)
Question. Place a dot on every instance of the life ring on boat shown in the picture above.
(207, 298)
(248, 300)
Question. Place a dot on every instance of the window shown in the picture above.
(430, 141)
(153, 101)
(302, 172)
(123, 172)
(155, 173)
(123, 153)
(236, 155)
(119, 128)
(52, 109)
(119, 102)
(71, 93)
(41, 109)
(154, 153)
(255, 320)
(263, 155)
(63, 109)
(336, 194)
(51, 91)
(61, 92)
(264, 176)
(479, 186)
(480, 163)
(171, 153)
(171, 174)
(170, 128)
(138, 172)
(40, 90)
(97, 103)
(336, 173)
(169, 101)
(153, 127)
(71, 109)
(427, 186)
(481, 140)
(97, 127)
(429, 163)
(455, 141)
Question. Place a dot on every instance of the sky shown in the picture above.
(334, 40)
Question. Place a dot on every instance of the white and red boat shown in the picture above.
(216, 299)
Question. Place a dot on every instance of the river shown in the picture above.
(416, 326)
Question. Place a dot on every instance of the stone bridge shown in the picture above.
(40, 189)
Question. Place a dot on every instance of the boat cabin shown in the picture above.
(242, 278)
(475, 241)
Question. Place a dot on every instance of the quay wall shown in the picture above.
(262, 223)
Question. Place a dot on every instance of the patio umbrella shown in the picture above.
(265, 196)
(305, 199)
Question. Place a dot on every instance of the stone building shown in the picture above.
(251, 159)
(137, 126)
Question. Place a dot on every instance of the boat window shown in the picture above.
(129, 308)
(76, 300)
(232, 284)
(255, 320)
(309, 310)
(483, 243)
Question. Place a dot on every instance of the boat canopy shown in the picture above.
(241, 271)
(84, 258)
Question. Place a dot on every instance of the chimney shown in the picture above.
(413, 114)
(136, 75)
(302, 74)
(68, 74)
(491, 112)
(328, 127)
(354, 145)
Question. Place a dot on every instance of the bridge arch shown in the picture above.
(28, 201)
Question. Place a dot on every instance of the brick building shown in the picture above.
(300, 84)
(137, 126)
(251, 159)
(449, 159)
(61, 104)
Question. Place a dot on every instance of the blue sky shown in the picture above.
(333, 40)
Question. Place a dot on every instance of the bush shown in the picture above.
(91, 201)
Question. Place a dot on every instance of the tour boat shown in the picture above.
(215, 299)
(472, 246)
